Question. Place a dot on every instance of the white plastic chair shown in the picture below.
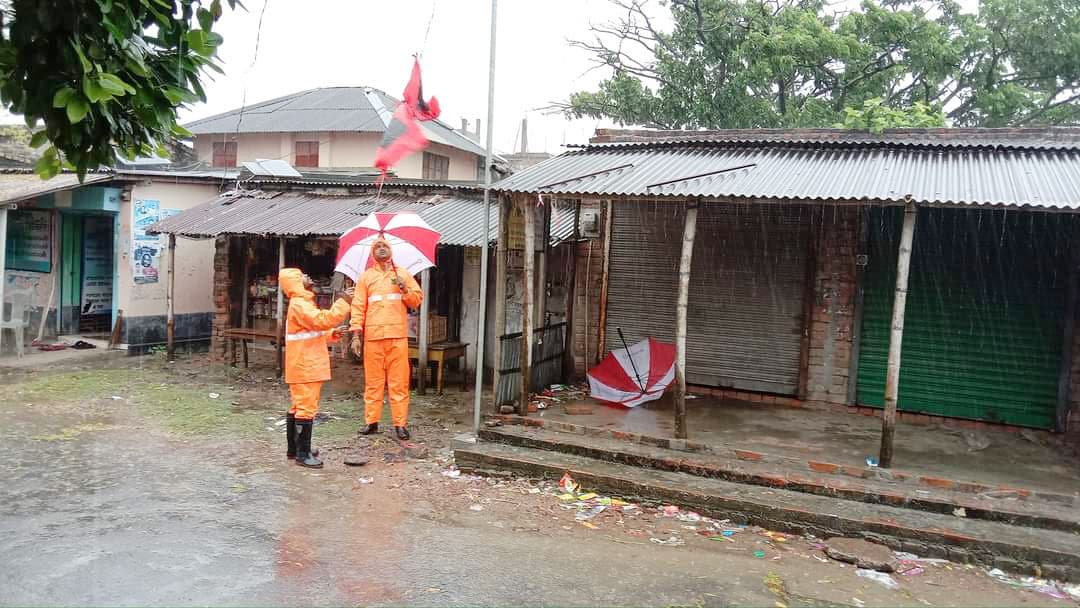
(19, 319)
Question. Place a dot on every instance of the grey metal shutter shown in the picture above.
(747, 286)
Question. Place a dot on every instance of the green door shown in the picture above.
(984, 319)
(71, 250)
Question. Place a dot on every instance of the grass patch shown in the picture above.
(73, 431)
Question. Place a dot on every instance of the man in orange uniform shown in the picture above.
(380, 325)
(307, 362)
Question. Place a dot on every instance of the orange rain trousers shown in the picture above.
(386, 365)
(305, 400)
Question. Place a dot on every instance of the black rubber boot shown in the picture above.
(402, 433)
(304, 457)
(370, 429)
(290, 436)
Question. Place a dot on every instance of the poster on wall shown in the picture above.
(97, 285)
(148, 248)
(29, 240)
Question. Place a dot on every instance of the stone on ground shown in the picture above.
(862, 553)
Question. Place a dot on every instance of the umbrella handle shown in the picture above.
(637, 376)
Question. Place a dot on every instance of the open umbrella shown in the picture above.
(412, 241)
(633, 375)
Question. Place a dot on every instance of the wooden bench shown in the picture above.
(439, 354)
(245, 335)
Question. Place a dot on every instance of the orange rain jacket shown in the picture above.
(379, 308)
(306, 330)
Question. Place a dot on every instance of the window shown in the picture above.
(224, 154)
(307, 154)
(436, 167)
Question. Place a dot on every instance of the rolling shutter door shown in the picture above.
(745, 318)
(984, 317)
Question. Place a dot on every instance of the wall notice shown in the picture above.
(148, 248)
(29, 240)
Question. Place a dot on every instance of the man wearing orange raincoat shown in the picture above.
(307, 362)
(380, 326)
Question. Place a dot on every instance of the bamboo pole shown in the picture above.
(601, 325)
(281, 310)
(568, 349)
(502, 262)
(681, 306)
(896, 337)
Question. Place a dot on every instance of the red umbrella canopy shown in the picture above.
(411, 240)
(616, 381)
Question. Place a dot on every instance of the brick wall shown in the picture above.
(831, 318)
(221, 299)
(587, 295)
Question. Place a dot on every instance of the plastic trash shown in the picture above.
(591, 513)
(366, 480)
(588, 496)
(960, 512)
(871, 462)
(689, 516)
(670, 511)
(476, 508)
(671, 541)
(878, 577)
(759, 554)
(452, 473)
(214, 395)
(567, 483)
(914, 571)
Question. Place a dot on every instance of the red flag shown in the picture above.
(403, 135)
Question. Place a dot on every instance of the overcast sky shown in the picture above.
(306, 44)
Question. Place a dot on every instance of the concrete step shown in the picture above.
(1050, 553)
(1007, 505)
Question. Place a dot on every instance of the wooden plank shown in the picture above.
(502, 262)
(681, 307)
(1068, 340)
(568, 349)
(896, 338)
(601, 329)
(422, 331)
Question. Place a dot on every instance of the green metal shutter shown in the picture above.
(984, 320)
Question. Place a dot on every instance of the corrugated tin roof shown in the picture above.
(1056, 138)
(952, 176)
(287, 213)
(355, 109)
(21, 186)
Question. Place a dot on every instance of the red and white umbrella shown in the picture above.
(635, 375)
(411, 240)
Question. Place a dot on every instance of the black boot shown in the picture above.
(290, 436)
(402, 433)
(304, 457)
(370, 429)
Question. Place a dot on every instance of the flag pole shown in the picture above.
(486, 236)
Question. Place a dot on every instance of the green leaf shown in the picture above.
(77, 109)
(86, 65)
(214, 40)
(181, 132)
(60, 99)
(196, 40)
(48, 165)
(113, 84)
(95, 92)
(39, 139)
(206, 19)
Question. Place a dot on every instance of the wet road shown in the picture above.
(102, 506)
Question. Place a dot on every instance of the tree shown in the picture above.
(875, 116)
(793, 63)
(102, 77)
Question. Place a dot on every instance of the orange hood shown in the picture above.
(292, 283)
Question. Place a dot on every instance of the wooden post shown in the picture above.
(502, 261)
(568, 349)
(422, 333)
(542, 272)
(896, 337)
(527, 301)
(281, 310)
(681, 306)
(170, 296)
(601, 325)
(860, 298)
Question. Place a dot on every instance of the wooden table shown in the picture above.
(439, 354)
(245, 335)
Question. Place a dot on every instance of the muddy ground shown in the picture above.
(131, 481)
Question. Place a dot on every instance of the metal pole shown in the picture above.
(170, 322)
(482, 329)
(896, 338)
